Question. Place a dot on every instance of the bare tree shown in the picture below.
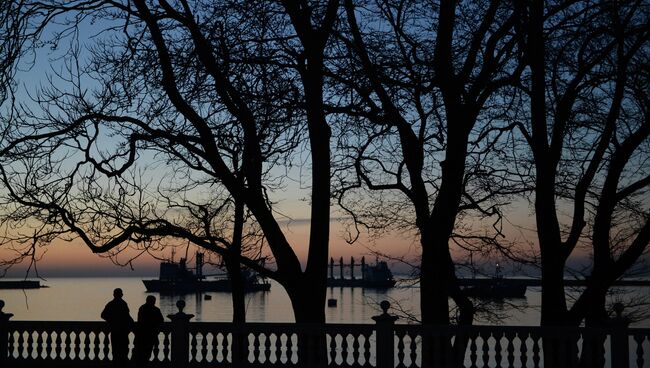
(424, 101)
(9, 47)
(589, 139)
(180, 89)
(588, 135)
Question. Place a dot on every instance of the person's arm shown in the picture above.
(141, 315)
(125, 315)
(127, 312)
(105, 313)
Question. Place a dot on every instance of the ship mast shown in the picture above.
(199, 265)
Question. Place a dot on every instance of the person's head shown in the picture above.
(151, 300)
(117, 293)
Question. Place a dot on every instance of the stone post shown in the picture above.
(4, 335)
(619, 342)
(180, 336)
(385, 337)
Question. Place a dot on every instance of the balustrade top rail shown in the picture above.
(182, 343)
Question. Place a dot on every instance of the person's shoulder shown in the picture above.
(153, 309)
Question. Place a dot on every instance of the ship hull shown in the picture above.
(381, 284)
(496, 291)
(20, 284)
(179, 287)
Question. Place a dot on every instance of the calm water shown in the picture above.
(83, 299)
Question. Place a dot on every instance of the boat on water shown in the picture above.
(496, 288)
(21, 284)
(176, 278)
(377, 276)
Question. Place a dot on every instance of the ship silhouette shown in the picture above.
(176, 278)
(496, 287)
(377, 276)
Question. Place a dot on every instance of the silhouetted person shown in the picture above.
(120, 323)
(146, 331)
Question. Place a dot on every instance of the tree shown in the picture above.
(191, 85)
(225, 223)
(588, 135)
(9, 47)
(425, 84)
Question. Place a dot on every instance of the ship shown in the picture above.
(377, 276)
(496, 287)
(176, 278)
(21, 284)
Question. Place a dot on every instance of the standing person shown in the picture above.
(120, 323)
(146, 331)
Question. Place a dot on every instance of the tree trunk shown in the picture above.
(437, 283)
(434, 301)
(596, 316)
(548, 230)
(554, 310)
(233, 267)
(309, 310)
(238, 291)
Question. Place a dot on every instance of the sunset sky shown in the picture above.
(63, 258)
(73, 258)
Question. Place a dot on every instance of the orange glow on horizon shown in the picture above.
(74, 257)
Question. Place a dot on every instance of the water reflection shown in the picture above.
(82, 299)
(198, 300)
(217, 306)
(354, 305)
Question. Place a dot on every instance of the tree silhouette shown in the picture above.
(426, 95)
(588, 136)
(179, 89)
(177, 117)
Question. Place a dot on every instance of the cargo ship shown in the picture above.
(21, 284)
(496, 287)
(377, 276)
(176, 278)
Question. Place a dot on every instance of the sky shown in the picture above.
(63, 259)
(74, 259)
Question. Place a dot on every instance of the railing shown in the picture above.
(182, 343)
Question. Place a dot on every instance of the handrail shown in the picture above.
(183, 343)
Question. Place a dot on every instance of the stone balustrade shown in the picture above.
(384, 344)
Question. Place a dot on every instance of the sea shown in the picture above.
(82, 299)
